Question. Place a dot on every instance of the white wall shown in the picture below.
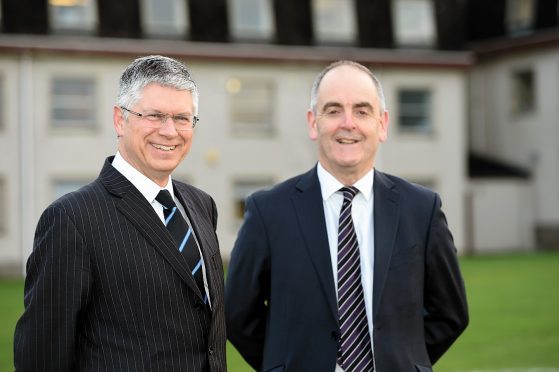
(530, 140)
(502, 215)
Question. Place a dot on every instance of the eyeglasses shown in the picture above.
(359, 115)
(158, 119)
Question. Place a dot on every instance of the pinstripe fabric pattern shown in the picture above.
(107, 290)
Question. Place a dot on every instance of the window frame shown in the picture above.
(407, 37)
(322, 27)
(152, 28)
(518, 91)
(86, 25)
(63, 102)
(249, 185)
(427, 129)
(247, 107)
(265, 31)
(516, 22)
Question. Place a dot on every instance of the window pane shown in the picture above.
(334, 20)
(252, 106)
(523, 92)
(414, 111)
(165, 17)
(414, 23)
(73, 102)
(251, 19)
(73, 15)
(520, 15)
(242, 189)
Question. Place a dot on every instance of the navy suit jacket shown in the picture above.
(280, 298)
(107, 289)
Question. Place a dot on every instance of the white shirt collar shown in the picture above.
(330, 185)
(147, 187)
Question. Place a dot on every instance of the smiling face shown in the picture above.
(155, 152)
(348, 123)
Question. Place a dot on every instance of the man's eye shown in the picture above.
(155, 117)
(182, 119)
(362, 113)
(332, 112)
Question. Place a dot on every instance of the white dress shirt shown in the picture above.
(362, 214)
(149, 190)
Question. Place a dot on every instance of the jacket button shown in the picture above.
(211, 350)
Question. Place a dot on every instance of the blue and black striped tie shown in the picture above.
(183, 235)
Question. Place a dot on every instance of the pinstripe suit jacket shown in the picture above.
(107, 290)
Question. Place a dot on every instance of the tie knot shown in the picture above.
(165, 199)
(349, 192)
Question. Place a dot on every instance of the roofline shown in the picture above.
(238, 52)
(495, 48)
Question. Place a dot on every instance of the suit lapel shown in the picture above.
(134, 206)
(386, 211)
(310, 213)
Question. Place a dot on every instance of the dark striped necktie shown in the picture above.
(355, 351)
(183, 236)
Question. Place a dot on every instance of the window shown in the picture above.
(165, 17)
(62, 187)
(252, 104)
(334, 21)
(519, 16)
(523, 92)
(251, 19)
(414, 111)
(241, 190)
(73, 102)
(3, 205)
(73, 15)
(414, 23)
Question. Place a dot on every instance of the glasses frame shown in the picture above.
(195, 119)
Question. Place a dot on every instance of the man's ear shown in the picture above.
(383, 126)
(118, 121)
(312, 125)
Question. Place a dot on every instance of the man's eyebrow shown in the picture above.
(364, 105)
(331, 104)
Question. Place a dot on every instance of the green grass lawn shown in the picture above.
(514, 316)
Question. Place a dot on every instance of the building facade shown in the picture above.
(254, 61)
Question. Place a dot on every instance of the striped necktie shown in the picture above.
(183, 236)
(355, 351)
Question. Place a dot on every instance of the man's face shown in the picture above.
(155, 152)
(348, 124)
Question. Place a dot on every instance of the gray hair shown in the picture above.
(320, 76)
(160, 70)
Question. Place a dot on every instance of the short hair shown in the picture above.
(320, 76)
(154, 69)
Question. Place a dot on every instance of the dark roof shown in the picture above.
(482, 166)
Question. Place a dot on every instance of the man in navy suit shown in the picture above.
(107, 288)
(282, 294)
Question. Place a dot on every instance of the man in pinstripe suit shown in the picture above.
(106, 287)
